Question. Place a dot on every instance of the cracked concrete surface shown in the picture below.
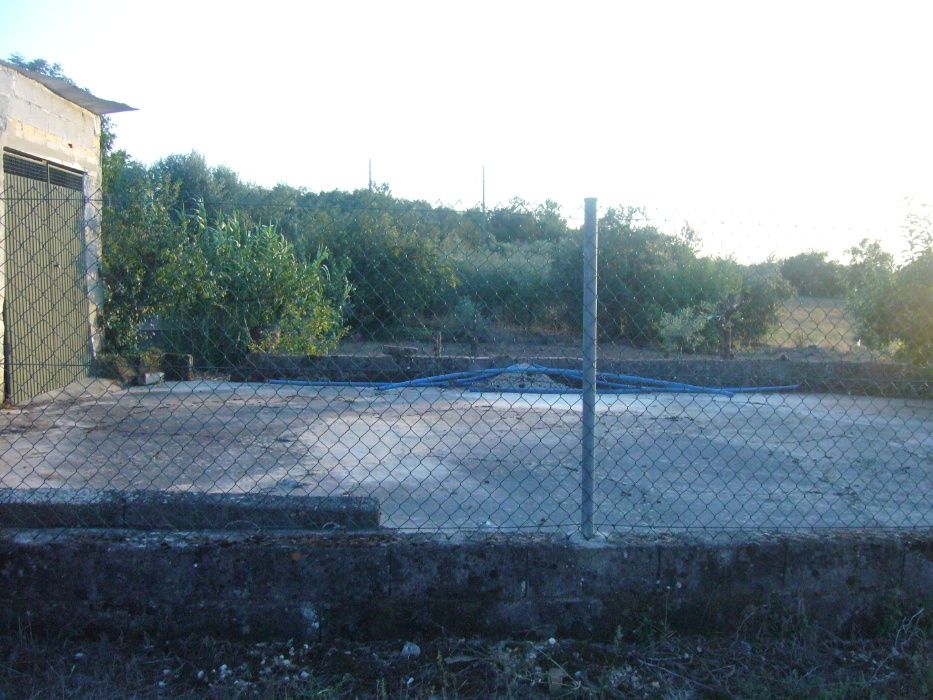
(442, 459)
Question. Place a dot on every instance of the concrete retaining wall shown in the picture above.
(380, 585)
(177, 510)
(864, 378)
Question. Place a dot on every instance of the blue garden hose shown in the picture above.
(607, 383)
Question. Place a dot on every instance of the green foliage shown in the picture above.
(219, 287)
(193, 246)
(394, 260)
(643, 274)
(411, 264)
(630, 261)
(918, 229)
(872, 300)
(520, 223)
(758, 301)
(812, 275)
(137, 231)
(233, 288)
(40, 65)
(913, 288)
(414, 267)
(511, 282)
(688, 330)
(763, 293)
(653, 287)
(195, 185)
(468, 322)
(892, 306)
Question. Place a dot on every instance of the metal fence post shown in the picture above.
(590, 248)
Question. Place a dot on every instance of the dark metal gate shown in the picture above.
(46, 312)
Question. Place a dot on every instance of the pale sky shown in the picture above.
(772, 127)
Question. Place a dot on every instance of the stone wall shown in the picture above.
(314, 586)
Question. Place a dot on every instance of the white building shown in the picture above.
(50, 202)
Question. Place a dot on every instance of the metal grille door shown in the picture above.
(46, 305)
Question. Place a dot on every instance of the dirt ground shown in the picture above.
(645, 663)
(447, 459)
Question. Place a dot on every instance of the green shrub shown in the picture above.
(872, 299)
(811, 274)
(652, 285)
(688, 330)
(137, 231)
(893, 307)
(913, 320)
(511, 283)
(632, 266)
(643, 274)
(468, 323)
(763, 293)
(235, 289)
(518, 222)
(397, 268)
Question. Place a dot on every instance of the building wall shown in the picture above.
(36, 121)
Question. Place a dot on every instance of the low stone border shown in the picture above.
(152, 510)
(301, 586)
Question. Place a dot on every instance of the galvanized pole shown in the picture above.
(590, 248)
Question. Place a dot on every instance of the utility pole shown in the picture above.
(485, 231)
(370, 174)
(484, 192)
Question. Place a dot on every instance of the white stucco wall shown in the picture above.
(36, 121)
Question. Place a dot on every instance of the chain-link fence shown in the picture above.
(360, 349)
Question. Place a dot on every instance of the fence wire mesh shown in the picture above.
(173, 361)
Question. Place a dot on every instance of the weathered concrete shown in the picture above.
(150, 378)
(76, 508)
(861, 378)
(369, 586)
(35, 120)
(441, 459)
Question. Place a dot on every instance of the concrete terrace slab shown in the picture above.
(443, 459)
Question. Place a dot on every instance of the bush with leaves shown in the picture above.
(813, 275)
(233, 288)
(138, 230)
(394, 261)
(643, 274)
(510, 283)
(893, 307)
(653, 286)
(764, 291)
(688, 330)
(913, 320)
(871, 299)
(467, 323)
(519, 222)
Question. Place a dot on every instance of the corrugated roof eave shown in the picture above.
(72, 93)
